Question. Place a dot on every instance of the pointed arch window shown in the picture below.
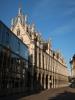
(18, 32)
(27, 29)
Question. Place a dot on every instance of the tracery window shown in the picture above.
(18, 32)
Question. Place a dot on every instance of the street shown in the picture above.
(65, 93)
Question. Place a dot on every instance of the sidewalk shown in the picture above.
(65, 93)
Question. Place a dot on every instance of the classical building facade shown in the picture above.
(72, 76)
(72, 62)
(47, 67)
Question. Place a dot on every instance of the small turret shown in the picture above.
(19, 11)
(25, 18)
(33, 28)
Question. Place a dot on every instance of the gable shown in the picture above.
(23, 34)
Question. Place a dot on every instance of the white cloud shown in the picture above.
(62, 30)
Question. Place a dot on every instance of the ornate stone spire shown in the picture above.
(33, 28)
(20, 18)
(20, 7)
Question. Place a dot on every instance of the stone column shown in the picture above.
(41, 60)
(37, 76)
(45, 82)
(41, 81)
(52, 82)
(48, 82)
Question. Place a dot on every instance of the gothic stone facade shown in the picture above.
(72, 77)
(47, 67)
(72, 62)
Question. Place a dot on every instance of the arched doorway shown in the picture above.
(46, 81)
(35, 81)
(28, 80)
(39, 81)
(50, 81)
(43, 81)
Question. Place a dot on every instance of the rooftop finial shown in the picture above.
(20, 7)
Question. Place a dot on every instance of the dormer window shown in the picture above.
(27, 29)
(18, 32)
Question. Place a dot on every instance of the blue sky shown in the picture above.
(55, 19)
